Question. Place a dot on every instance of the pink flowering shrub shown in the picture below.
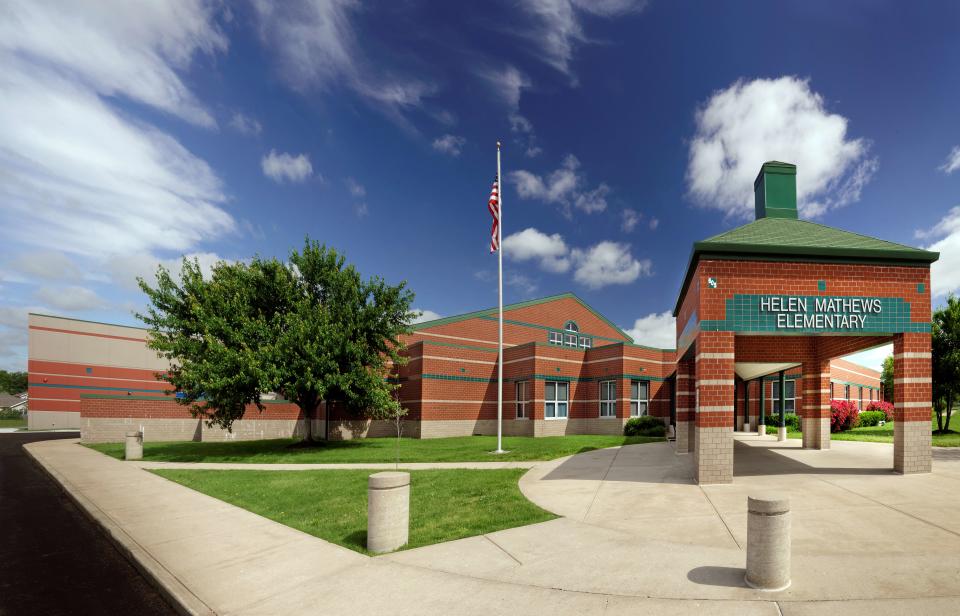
(885, 407)
(844, 415)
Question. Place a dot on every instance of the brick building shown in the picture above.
(765, 314)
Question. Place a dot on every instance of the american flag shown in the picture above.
(494, 206)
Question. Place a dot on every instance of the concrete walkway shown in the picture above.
(638, 537)
(412, 466)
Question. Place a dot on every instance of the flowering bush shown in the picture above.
(843, 415)
(885, 407)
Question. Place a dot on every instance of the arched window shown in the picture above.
(570, 338)
(571, 327)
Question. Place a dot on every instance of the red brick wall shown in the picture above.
(167, 408)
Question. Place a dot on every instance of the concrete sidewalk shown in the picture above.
(640, 539)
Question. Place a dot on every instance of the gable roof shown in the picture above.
(792, 239)
(532, 302)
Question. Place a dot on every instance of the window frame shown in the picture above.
(775, 398)
(522, 405)
(556, 402)
(608, 403)
(635, 402)
(555, 337)
(586, 342)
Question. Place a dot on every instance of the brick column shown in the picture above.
(713, 455)
(912, 397)
(685, 399)
(816, 403)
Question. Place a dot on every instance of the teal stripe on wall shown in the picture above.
(93, 387)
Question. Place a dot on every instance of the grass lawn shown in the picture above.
(332, 505)
(455, 449)
(883, 434)
(13, 423)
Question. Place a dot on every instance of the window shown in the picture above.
(570, 326)
(608, 399)
(555, 400)
(571, 340)
(871, 394)
(861, 397)
(523, 399)
(639, 398)
(791, 397)
(555, 338)
(846, 392)
(586, 343)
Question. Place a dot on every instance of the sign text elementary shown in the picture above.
(820, 312)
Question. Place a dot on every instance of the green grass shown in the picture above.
(455, 449)
(884, 434)
(13, 423)
(332, 505)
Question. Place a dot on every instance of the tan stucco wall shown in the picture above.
(49, 420)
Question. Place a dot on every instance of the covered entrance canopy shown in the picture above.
(780, 293)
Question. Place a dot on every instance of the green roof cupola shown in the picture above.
(775, 191)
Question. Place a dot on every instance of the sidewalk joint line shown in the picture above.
(602, 479)
(502, 549)
(719, 515)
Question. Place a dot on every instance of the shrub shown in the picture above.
(871, 418)
(884, 407)
(843, 415)
(10, 414)
(644, 426)
(791, 420)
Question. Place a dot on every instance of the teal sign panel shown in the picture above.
(815, 314)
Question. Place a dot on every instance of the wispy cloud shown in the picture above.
(283, 167)
(448, 144)
(953, 161)
(564, 186)
(355, 188)
(245, 124)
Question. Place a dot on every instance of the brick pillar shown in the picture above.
(685, 397)
(816, 404)
(912, 397)
(713, 455)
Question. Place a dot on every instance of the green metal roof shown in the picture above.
(506, 307)
(790, 239)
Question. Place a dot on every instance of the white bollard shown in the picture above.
(746, 426)
(781, 433)
(388, 511)
(761, 430)
(768, 542)
(134, 446)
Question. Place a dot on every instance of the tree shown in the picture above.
(945, 343)
(309, 329)
(886, 378)
(13, 382)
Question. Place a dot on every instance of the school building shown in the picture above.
(766, 312)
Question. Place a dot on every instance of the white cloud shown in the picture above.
(629, 220)
(550, 251)
(245, 124)
(508, 85)
(953, 161)
(82, 178)
(608, 263)
(656, 330)
(654, 223)
(285, 167)
(13, 336)
(557, 28)
(872, 358)
(751, 122)
(449, 144)
(420, 315)
(563, 186)
(318, 49)
(945, 273)
(524, 284)
(116, 47)
(356, 188)
(361, 210)
(600, 265)
(42, 265)
(70, 298)
(124, 271)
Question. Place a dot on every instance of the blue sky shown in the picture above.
(132, 135)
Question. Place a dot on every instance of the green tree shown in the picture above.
(886, 378)
(310, 329)
(13, 382)
(945, 343)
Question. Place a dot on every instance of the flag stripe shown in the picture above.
(493, 204)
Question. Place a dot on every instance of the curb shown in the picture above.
(170, 587)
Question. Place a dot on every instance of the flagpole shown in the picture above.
(499, 310)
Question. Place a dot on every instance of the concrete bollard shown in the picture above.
(781, 433)
(768, 542)
(746, 426)
(134, 446)
(671, 433)
(388, 511)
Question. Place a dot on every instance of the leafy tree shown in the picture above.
(310, 329)
(886, 378)
(946, 360)
(13, 382)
